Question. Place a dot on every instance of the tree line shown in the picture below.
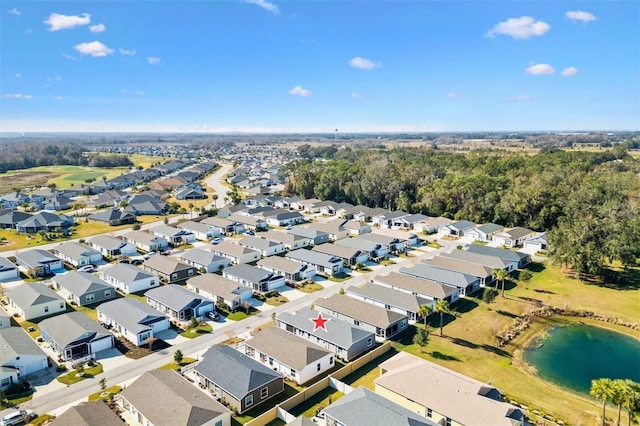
(587, 201)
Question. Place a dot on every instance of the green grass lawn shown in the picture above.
(311, 288)
(339, 279)
(197, 331)
(106, 395)
(317, 401)
(288, 392)
(276, 300)
(175, 367)
(73, 377)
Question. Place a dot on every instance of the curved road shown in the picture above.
(214, 182)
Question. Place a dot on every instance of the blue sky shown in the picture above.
(313, 66)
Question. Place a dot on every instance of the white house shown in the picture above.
(221, 290)
(146, 241)
(112, 246)
(8, 271)
(129, 279)
(77, 254)
(264, 246)
(19, 356)
(236, 253)
(134, 320)
(513, 237)
(35, 300)
(200, 231)
(204, 260)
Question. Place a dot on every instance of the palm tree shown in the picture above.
(424, 311)
(500, 275)
(191, 206)
(441, 307)
(602, 389)
(630, 397)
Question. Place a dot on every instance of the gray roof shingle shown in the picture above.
(130, 313)
(174, 296)
(88, 414)
(68, 328)
(360, 310)
(126, 273)
(80, 283)
(26, 295)
(14, 341)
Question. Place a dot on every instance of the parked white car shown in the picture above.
(18, 417)
(86, 268)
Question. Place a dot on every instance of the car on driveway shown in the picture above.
(87, 268)
(216, 241)
(18, 418)
(214, 316)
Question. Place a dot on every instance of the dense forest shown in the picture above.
(588, 201)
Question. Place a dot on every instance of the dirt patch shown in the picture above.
(24, 179)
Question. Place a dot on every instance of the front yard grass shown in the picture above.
(276, 300)
(310, 407)
(73, 377)
(197, 331)
(288, 392)
(30, 327)
(107, 394)
(42, 419)
(311, 288)
(175, 367)
(339, 279)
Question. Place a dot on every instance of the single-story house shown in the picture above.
(200, 231)
(333, 228)
(5, 318)
(249, 222)
(293, 357)
(38, 262)
(8, 271)
(113, 217)
(324, 263)
(236, 253)
(482, 233)
(35, 300)
(146, 241)
(456, 229)
(385, 323)
(188, 193)
(241, 381)
(204, 260)
(513, 237)
(375, 251)
(112, 246)
(13, 200)
(129, 278)
(19, 356)
(258, 279)
(538, 243)
(350, 256)
(389, 219)
(356, 228)
(165, 398)
(83, 288)
(292, 271)
(168, 269)
(306, 205)
(56, 202)
(316, 236)
(77, 254)
(44, 221)
(409, 222)
(283, 218)
(438, 394)
(397, 301)
(394, 245)
(178, 303)
(431, 225)
(134, 320)
(289, 240)
(484, 273)
(420, 287)
(523, 259)
(75, 336)
(485, 260)
(264, 246)
(229, 210)
(465, 283)
(220, 226)
(143, 204)
(88, 413)
(175, 237)
(221, 290)
(343, 338)
(9, 219)
(285, 203)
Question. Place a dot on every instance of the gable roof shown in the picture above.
(314, 257)
(307, 232)
(166, 399)
(174, 296)
(234, 372)
(76, 250)
(201, 257)
(88, 414)
(389, 296)
(127, 273)
(257, 242)
(144, 237)
(343, 252)
(517, 232)
(458, 265)
(415, 284)
(14, 341)
(232, 249)
(362, 311)
(281, 264)
(107, 242)
(441, 275)
(511, 255)
(13, 217)
(462, 225)
(246, 272)
(67, 328)
(79, 283)
(476, 258)
(36, 257)
(490, 228)
(193, 226)
(283, 237)
(130, 313)
(110, 214)
(26, 295)
(218, 286)
(166, 265)
(6, 265)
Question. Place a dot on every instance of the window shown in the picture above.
(90, 297)
(387, 306)
(270, 361)
(190, 272)
(448, 422)
(264, 392)
(218, 423)
(369, 341)
(331, 360)
(61, 305)
(356, 322)
(429, 412)
(107, 293)
(174, 276)
(293, 372)
(46, 309)
(248, 401)
(318, 367)
(5, 382)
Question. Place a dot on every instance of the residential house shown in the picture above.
(485, 260)
(323, 263)
(343, 338)
(5, 318)
(397, 301)
(220, 226)
(419, 287)
(146, 241)
(143, 204)
(316, 236)
(241, 381)
(132, 319)
(129, 278)
(168, 269)
(431, 225)
(44, 221)
(9, 219)
(465, 283)
(393, 244)
(306, 205)
(77, 254)
(236, 253)
(75, 336)
(350, 256)
(364, 407)
(35, 301)
(165, 398)
(111, 198)
(38, 262)
(282, 217)
(19, 356)
(200, 231)
(264, 246)
(285, 203)
(333, 228)
(56, 202)
(175, 237)
(332, 209)
(249, 222)
(229, 210)
(178, 303)
(88, 413)
(483, 233)
(293, 272)
(513, 237)
(113, 217)
(522, 259)
(482, 272)
(455, 229)
(385, 323)
(388, 219)
(356, 228)
(442, 395)
(111, 246)
(293, 357)
(8, 271)
(409, 222)
(189, 193)
(288, 240)
(258, 279)
(536, 244)
(365, 214)
(204, 260)
(13, 200)
(221, 290)
(83, 288)
(375, 251)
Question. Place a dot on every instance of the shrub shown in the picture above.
(61, 367)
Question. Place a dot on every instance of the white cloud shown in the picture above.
(265, 5)
(357, 95)
(569, 72)
(126, 52)
(18, 75)
(523, 27)
(64, 22)
(14, 11)
(57, 98)
(97, 28)
(94, 48)
(452, 95)
(363, 63)
(153, 60)
(67, 56)
(299, 91)
(540, 69)
(521, 98)
(17, 96)
(139, 92)
(578, 15)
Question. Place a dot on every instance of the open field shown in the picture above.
(469, 345)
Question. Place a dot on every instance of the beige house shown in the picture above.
(236, 253)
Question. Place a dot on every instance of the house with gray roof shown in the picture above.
(393, 244)
(397, 301)
(77, 254)
(221, 226)
(146, 241)
(13, 200)
(537, 243)
(513, 237)
(143, 204)
(324, 263)
(388, 219)
(204, 260)
(128, 278)
(409, 222)
(83, 288)
(165, 398)
(350, 256)
(466, 283)
(483, 233)
(20, 355)
(355, 227)
(238, 379)
(333, 228)
(38, 262)
(485, 260)
(35, 301)
(44, 221)
(112, 247)
(175, 236)
(522, 259)
(293, 272)
(316, 236)
(420, 287)
(9, 219)
(431, 225)
(293, 357)
(113, 217)
(88, 413)
(5, 318)
(249, 222)
(236, 253)
(385, 323)
(264, 246)
(256, 278)
(456, 229)
(221, 290)
(178, 303)
(8, 271)
(343, 338)
(484, 273)
(364, 407)
(200, 231)
(289, 240)
(75, 336)
(375, 251)
(283, 217)
(132, 319)
(168, 269)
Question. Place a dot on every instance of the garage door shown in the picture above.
(32, 366)
(102, 344)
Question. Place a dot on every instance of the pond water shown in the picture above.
(574, 355)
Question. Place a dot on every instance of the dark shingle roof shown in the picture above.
(80, 283)
(68, 328)
(88, 414)
(26, 295)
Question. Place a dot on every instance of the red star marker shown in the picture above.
(319, 322)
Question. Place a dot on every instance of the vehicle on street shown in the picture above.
(216, 241)
(165, 253)
(289, 227)
(18, 418)
(86, 268)
(249, 232)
